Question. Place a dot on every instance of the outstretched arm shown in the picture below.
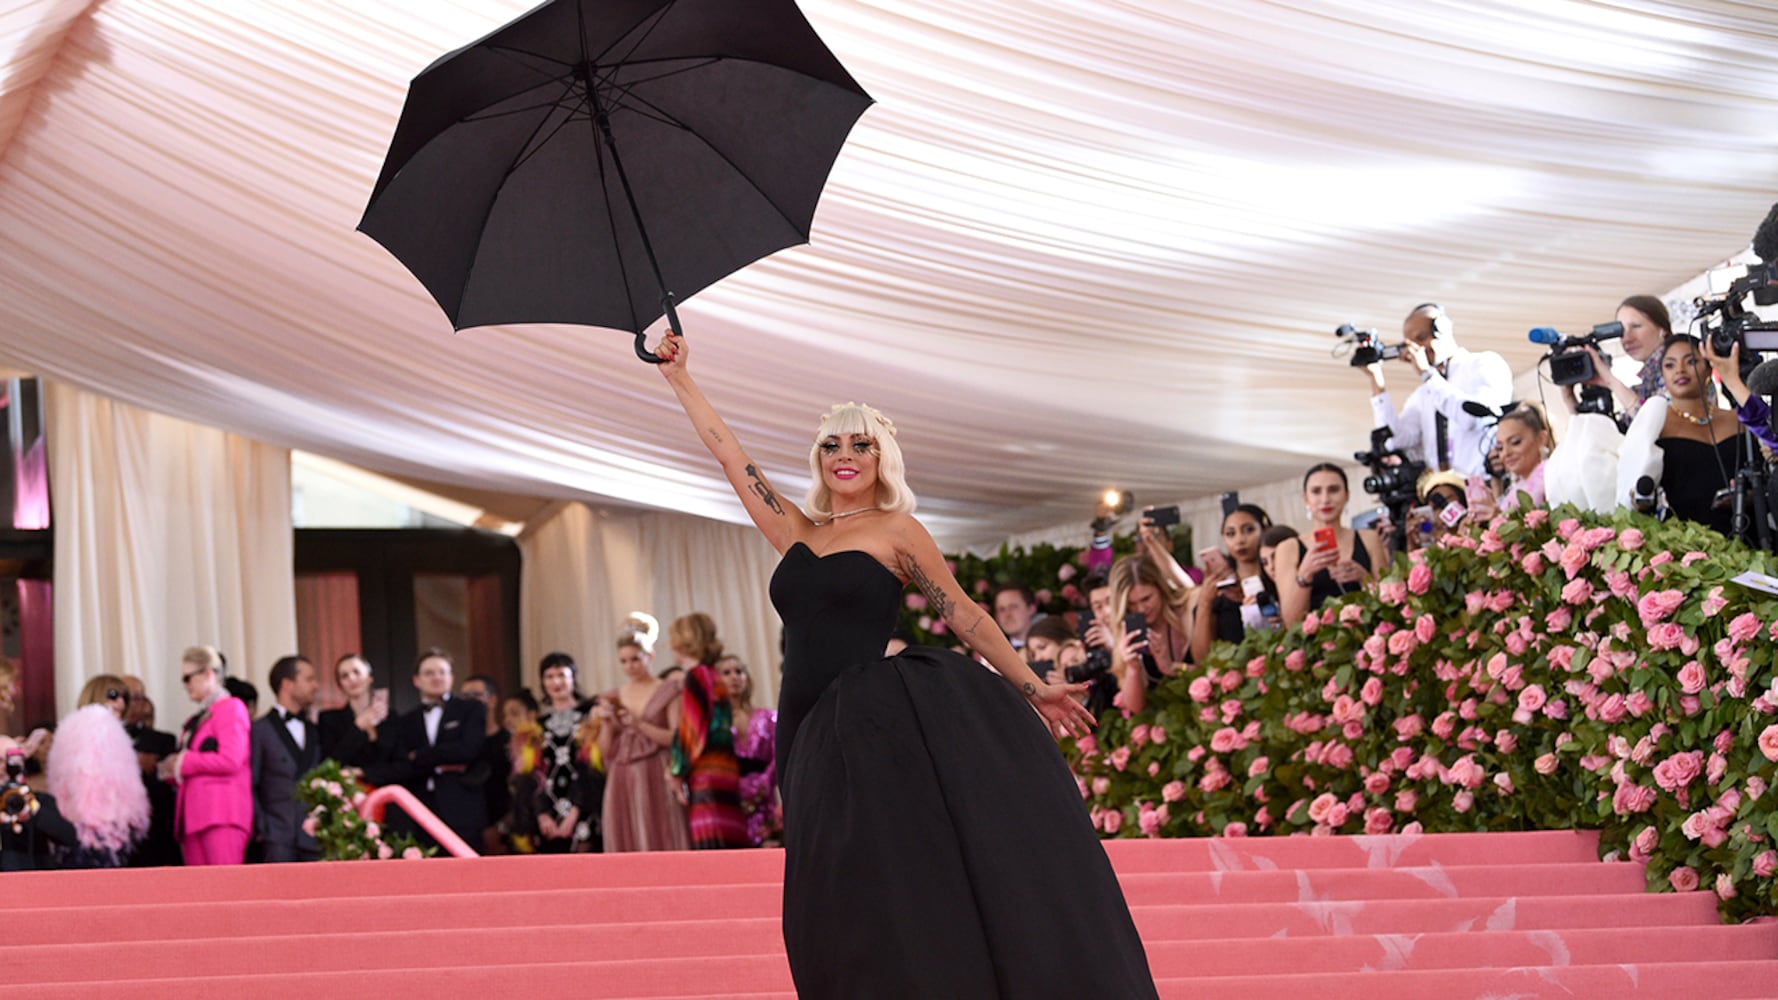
(918, 559)
(780, 520)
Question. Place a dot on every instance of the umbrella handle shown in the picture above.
(642, 350)
(644, 353)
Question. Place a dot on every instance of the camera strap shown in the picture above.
(1442, 431)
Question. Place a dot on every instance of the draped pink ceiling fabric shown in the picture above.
(1076, 244)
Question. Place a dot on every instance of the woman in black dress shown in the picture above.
(1332, 559)
(935, 843)
(1697, 444)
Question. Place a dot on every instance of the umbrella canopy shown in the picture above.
(523, 166)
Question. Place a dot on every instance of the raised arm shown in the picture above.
(782, 522)
(918, 559)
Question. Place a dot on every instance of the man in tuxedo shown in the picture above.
(286, 746)
(430, 749)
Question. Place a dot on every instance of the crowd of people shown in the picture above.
(678, 759)
(1687, 424)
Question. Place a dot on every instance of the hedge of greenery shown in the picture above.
(1550, 670)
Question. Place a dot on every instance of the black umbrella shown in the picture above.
(503, 191)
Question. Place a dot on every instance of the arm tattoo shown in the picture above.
(715, 435)
(936, 598)
(764, 492)
(1030, 689)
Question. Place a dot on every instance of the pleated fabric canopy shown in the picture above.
(1075, 244)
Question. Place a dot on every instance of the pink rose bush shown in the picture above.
(1612, 683)
(333, 797)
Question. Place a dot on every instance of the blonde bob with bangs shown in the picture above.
(893, 494)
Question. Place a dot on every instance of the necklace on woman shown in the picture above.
(836, 515)
(1703, 421)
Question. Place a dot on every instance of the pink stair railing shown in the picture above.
(381, 798)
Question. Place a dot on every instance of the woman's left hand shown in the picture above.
(1057, 704)
(1346, 571)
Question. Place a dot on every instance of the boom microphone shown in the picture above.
(1763, 381)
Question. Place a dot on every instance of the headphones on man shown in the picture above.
(1441, 324)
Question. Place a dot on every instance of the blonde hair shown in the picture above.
(1532, 416)
(694, 635)
(893, 494)
(94, 691)
(1129, 571)
(744, 697)
(203, 656)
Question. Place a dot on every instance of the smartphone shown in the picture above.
(1135, 621)
(1252, 586)
(1230, 501)
(1477, 488)
(379, 699)
(1084, 622)
(1326, 539)
(1162, 517)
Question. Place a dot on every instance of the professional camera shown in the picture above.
(1725, 320)
(1367, 346)
(1394, 479)
(1570, 364)
(18, 804)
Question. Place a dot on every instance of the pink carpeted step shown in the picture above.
(1389, 851)
(1190, 922)
(1674, 981)
(1345, 884)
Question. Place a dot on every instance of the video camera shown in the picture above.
(1395, 483)
(1726, 321)
(1571, 363)
(1367, 346)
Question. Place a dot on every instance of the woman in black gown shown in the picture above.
(935, 843)
(1698, 443)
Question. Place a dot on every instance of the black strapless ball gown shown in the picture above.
(935, 843)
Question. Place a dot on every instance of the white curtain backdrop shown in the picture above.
(585, 570)
(168, 534)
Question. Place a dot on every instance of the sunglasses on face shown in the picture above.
(187, 678)
(113, 694)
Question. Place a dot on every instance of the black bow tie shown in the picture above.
(427, 706)
(289, 717)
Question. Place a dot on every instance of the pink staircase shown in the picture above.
(1447, 916)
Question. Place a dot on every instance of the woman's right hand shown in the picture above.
(1317, 560)
(1135, 643)
(673, 352)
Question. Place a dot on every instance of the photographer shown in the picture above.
(1433, 422)
(1753, 412)
(1646, 325)
(1150, 628)
(1236, 587)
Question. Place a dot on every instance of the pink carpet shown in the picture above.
(1449, 916)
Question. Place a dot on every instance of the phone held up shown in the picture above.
(1162, 517)
(1326, 539)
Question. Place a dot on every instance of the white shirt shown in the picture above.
(1482, 377)
(432, 715)
(298, 732)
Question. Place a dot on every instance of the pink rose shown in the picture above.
(1295, 660)
(1765, 864)
(1679, 770)
(1768, 742)
(1682, 879)
(1311, 624)
(1666, 635)
(1150, 823)
(1157, 734)
(311, 825)
(1546, 764)
(1258, 767)
(1691, 678)
(1646, 841)
(1577, 591)
(1173, 791)
(1630, 798)
(1323, 804)
(412, 854)
(1066, 573)
(1656, 605)
(1339, 756)
(1224, 740)
(1574, 559)
(1463, 801)
(1725, 886)
(1376, 783)
(1611, 709)
(981, 586)
(385, 852)
(1630, 539)
(1406, 800)
(1419, 579)
(1744, 627)
(1372, 692)
(1154, 768)
(1201, 689)
(1640, 704)
(1337, 816)
(1120, 758)
(373, 831)
(1408, 727)
(916, 601)
(1139, 736)
(1532, 698)
(1113, 820)
(1377, 820)
(1235, 830)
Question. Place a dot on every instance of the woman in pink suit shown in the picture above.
(214, 813)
